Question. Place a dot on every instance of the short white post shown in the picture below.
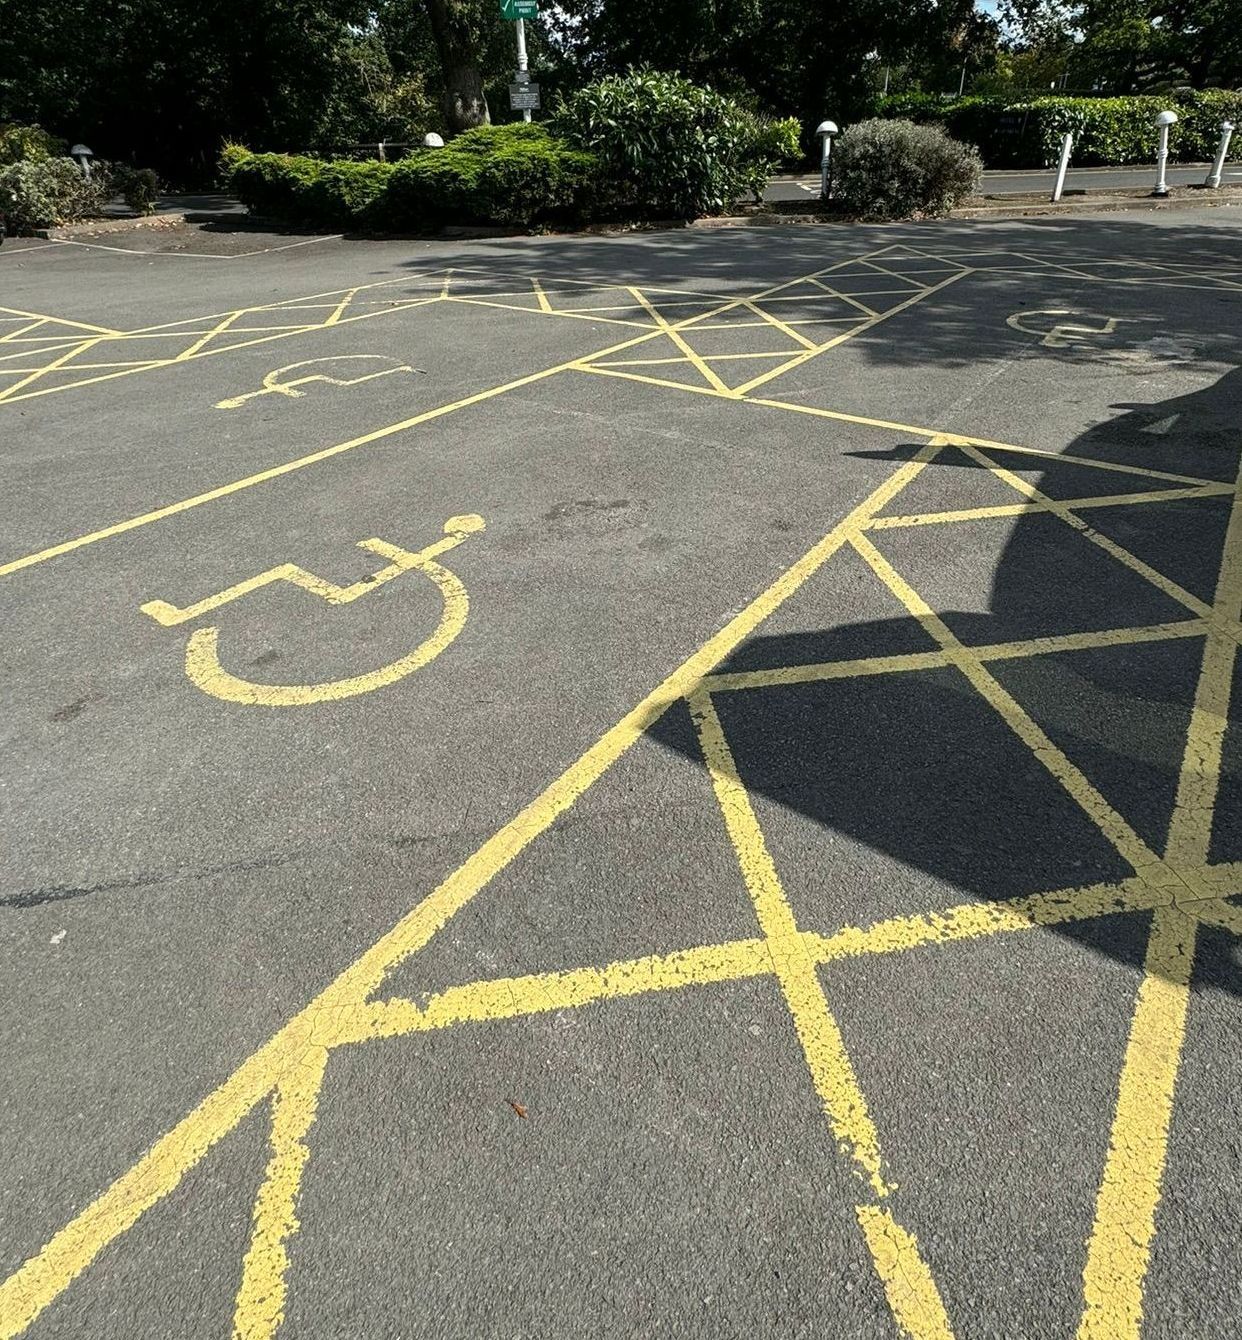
(1222, 152)
(1163, 121)
(520, 25)
(825, 130)
(1067, 145)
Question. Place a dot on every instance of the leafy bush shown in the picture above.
(43, 193)
(670, 148)
(1027, 133)
(275, 186)
(140, 187)
(512, 174)
(343, 193)
(896, 169)
(28, 144)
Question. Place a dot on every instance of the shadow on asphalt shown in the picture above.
(919, 768)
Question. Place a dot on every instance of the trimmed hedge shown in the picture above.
(513, 174)
(1107, 131)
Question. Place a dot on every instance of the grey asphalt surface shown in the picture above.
(183, 873)
(1078, 180)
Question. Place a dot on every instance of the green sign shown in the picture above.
(519, 9)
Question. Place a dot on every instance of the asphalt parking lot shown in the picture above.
(676, 784)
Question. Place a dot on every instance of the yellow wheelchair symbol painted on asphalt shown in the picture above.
(202, 663)
(276, 382)
(1063, 334)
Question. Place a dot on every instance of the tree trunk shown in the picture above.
(455, 27)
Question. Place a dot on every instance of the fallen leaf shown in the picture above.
(518, 1108)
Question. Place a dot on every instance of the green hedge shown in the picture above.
(511, 175)
(515, 174)
(670, 148)
(1106, 131)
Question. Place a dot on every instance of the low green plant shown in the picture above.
(516, 174)
(44, 193)
(274, 186)
(896, 170)
(139, 187)
(670, 148)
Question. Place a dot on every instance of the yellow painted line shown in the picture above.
(260, 1305)
(771, 319)
(908, 1284)
(218, 329)
(731, 681)
(576, 316)
(1125, 1219)
(1072, 504)
(1068, 459)
(1098, 810)
(1224, 916)
(860, 329)
(543, 993)
(667, 362)
(818, 1032)
(1190, 829)
(333, 1013)
(911, 1291)
(24, 330)
(339, 310)
(544, 304)
(679, 340)
(10, 392)
(1110, 547)
(62, 320)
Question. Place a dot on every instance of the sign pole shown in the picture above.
(520, 25)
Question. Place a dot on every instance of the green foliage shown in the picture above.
(43, 193)
(25, 144)
(1106, 131)
(140, 187)
(896, 170)
(669, 148)
(515, 174)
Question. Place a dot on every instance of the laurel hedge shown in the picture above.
(1107, 131)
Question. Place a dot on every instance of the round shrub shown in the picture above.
(897, 170)
(669, 148)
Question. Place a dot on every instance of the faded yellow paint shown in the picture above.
(202, 663)
(1125, 1218)
(908, 1283)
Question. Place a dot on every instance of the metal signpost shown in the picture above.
(523, 95)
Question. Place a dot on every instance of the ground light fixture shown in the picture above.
(826, 130)
(433, 141)
(1162, 123)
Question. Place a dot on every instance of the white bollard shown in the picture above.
(1163, 121)
(825, 130)
(1067, 145)
(1222, 152)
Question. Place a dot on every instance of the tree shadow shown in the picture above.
(919, 794)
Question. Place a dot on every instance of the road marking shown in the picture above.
(274, 382)
(202, 663)
(1125, 1222)
(908, 1284)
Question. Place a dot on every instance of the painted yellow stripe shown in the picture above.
(61, 321)
(10, 392)
(334, 1012)
(218, 329)
(729, 681)
(1125, 1219)
(1026, 508)
(908, 1283)
(680, 341)
(868, 325)
(817, 1030)
(260, 1305)
(1098, 810)
(771, 319)
(544, 304)
(1190, 830)
(1110, 547)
